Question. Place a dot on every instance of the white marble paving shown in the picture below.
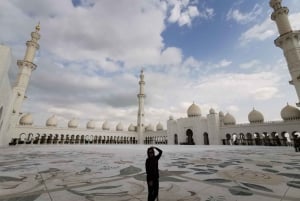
(117, 172)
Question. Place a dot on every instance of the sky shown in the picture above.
(218, 54)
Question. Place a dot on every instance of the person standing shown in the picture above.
(152, 172)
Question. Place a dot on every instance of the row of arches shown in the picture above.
(37, 138)
(156, 140)
(266, 139)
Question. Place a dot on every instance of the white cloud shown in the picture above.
(250, 64)
(294, 19)
(223, 63)
(264, 93)
(267, 29)
(232, 109)
(259, 32)
(183, 12)
(243, 18)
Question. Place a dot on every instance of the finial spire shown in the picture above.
(38, 27)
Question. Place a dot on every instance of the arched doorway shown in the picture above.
(190, 140)
(234, 139)
(206, 139)
(175, 139)
(228, 139)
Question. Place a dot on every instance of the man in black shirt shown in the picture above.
(152, 172)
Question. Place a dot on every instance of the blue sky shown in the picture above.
(218, 55)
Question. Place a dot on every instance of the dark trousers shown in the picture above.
(153, 190)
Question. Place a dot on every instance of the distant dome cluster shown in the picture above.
(288, 113)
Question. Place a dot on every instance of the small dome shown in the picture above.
(119, 127)
(73, 123)
(194, 111)
(171, 117)
(52, 121)
(290, 113)
(149, 128)
(131, 128)
(105, 126)
(26, 120)
(229, 119)
(91, 124)
(255, 116)
(212, 111)
(159, 127)
(221, 114)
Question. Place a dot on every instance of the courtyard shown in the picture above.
(117, 172)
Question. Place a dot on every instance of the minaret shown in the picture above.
(289, 42)
(141, 115)
(26, 66)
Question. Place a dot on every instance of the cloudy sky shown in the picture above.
(219, 55)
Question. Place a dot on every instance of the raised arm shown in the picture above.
(159, 152)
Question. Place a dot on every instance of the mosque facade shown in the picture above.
(215, 128)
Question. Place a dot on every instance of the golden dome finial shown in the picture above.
(38, 27)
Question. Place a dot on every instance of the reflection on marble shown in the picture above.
(117, 172)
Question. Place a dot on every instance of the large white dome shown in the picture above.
(229, 119)
(255, 116)
(119, 127)
(91, 124)
(159, 127)
(52, 121)
(105, 126)
(149, 128)
(194, 111)
(26, 120)
(131, 128)
(73, 123)
(290, 113)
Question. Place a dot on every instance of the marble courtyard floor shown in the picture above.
(117, 173)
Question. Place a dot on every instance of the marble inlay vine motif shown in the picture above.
(104, 173)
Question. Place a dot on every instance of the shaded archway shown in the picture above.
(1, 112)
(249, 139)
(175, 139)
(190, 140)
(228, 138)
(205, 138)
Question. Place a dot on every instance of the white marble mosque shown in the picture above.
(52, 163)
(215, 128)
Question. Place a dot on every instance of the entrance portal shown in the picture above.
(206, 139)
(175, 139)
(190, 140)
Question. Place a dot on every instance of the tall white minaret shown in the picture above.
(289, 42)
(26, 66)
(141, 114)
